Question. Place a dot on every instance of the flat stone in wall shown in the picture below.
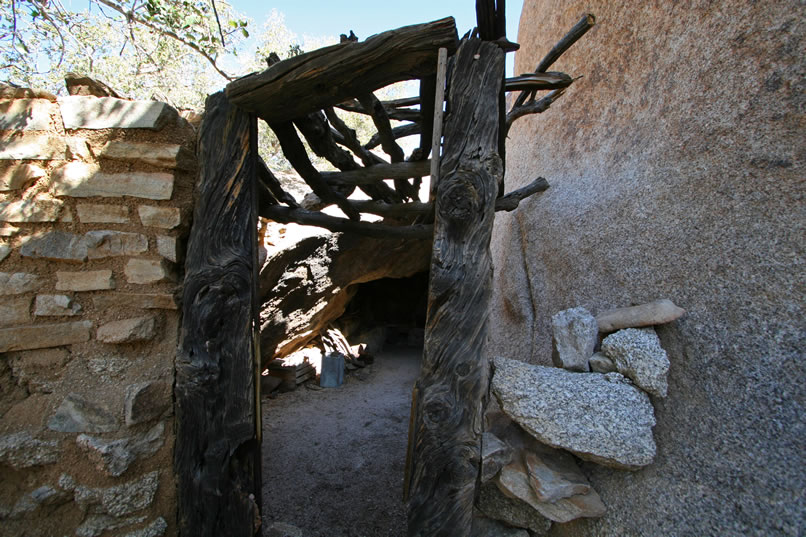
(107, 243)
(161, 155)
(33, 147)
(18, 175)
(31, 210)
(80, 112)
(17, 283)
(135, 300)
(15, 310)
(134, 330)
(91, 280)
(25, 114)
(56, 245)
(21, 450)
(80, 180)
(146, 401)
(96, 213)
(168, 247)
(56, 305)
(162, 217)
(44, 335)
(148, 271)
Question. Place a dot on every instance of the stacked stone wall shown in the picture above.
(95, 204)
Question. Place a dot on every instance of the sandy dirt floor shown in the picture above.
(333, 459)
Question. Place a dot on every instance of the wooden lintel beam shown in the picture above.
(287, 215)
(330, 75)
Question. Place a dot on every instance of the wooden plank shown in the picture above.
(217, 454)
(330, 75)
(454, 376)
(439, 100)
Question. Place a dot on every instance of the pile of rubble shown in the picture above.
(595, 406)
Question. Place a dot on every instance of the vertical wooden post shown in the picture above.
(453, 385)
(217, 452)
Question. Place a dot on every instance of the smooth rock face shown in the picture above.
(574, 332)
(16, 177)
(657, 312)
(686, 183)
(134, 330)
(79, 415)
(146, 401)
(80, 112)
(597, 420)
(638, 355)
(21, 450)
(494, 504)
(514, 481)
(115, 456)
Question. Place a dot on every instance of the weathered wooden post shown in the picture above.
(217, 454)
(453, 385)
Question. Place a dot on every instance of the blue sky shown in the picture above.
(367, 17)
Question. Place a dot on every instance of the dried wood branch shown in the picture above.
(287, 215)
(398, 114)
(574, 34)
(511, 201)
(379, 172)
(294, 151)
(268, 180)
(397, 132)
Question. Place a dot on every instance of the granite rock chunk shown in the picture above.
(115, 456)
(134, 330)
(637, 354)
(21, 450)
(78, 415)
(146, 401)
(596, 419)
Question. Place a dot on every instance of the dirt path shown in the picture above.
(333, 459)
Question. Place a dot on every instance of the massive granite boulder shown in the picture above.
(310, 275)
(676, 168)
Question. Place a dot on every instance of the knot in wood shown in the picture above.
(460, 200)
